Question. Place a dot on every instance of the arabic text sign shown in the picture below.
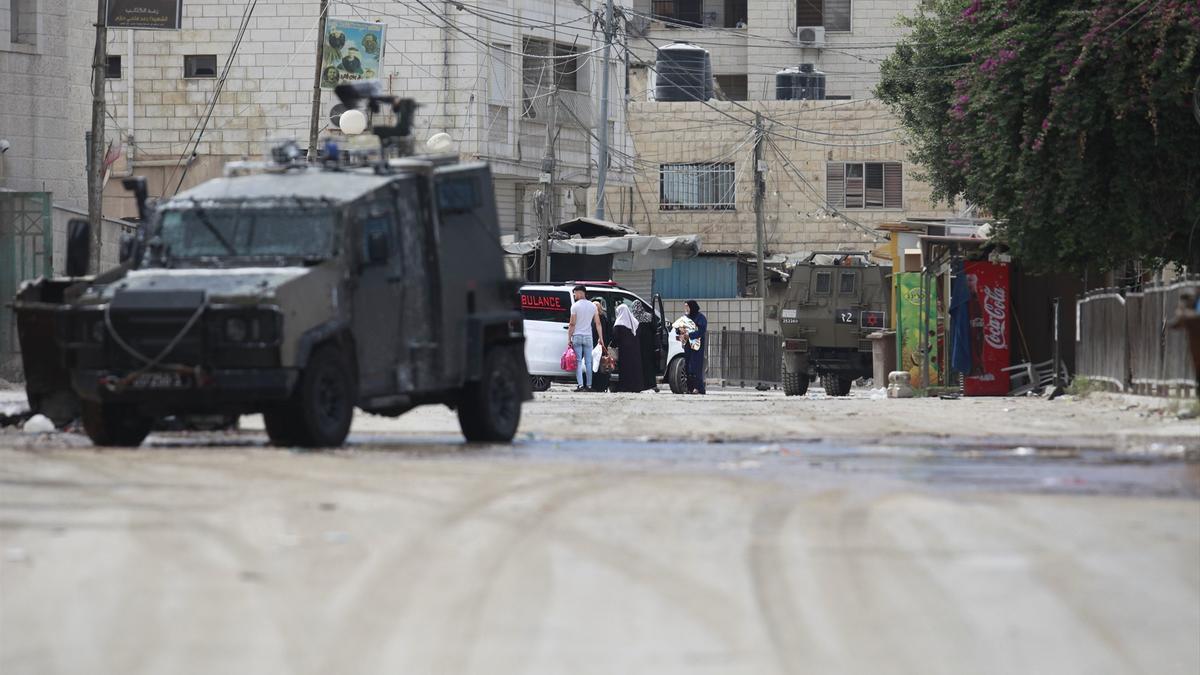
(144, 14)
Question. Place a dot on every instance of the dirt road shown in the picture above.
(409, 552)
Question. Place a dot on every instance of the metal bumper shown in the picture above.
(217, 389)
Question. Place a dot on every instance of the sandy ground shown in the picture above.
(410, 552)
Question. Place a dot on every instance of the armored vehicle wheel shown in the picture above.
(677, 375)
(490, 410)
(539, 383)
(281, 427)
(112, 425)
(321, 408)
(836, 385)
(795, 384)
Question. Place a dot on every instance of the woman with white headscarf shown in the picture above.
(629, 357)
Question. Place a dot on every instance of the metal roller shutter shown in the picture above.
(640, 282)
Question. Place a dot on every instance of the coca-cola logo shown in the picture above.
(995, 307)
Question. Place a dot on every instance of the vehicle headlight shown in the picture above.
(236, 329)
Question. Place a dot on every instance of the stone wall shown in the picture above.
(45, 108)
(805, 135)
(463, 70)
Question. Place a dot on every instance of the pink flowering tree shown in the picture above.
(1071, 120)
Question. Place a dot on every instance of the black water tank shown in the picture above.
(683, 73)
(800, 84)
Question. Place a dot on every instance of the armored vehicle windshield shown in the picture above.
(248, 230)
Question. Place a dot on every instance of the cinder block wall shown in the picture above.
(731, 314)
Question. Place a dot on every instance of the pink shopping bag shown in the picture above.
(568, 360)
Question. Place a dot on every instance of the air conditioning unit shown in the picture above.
(810, 36)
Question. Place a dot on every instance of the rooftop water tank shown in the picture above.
(684, 73)
(800, 84)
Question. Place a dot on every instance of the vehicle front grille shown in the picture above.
(150, 332)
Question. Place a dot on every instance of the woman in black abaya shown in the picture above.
(629, 357)
(646, 339)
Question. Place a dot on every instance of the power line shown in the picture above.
(796, 173)
(202, 125)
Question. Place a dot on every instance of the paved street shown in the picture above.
(736, 533)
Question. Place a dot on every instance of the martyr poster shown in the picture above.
(352, 51)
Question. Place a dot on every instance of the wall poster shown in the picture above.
(352, 51)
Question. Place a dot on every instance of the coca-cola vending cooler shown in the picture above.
(990, 312)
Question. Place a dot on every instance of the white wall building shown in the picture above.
(474, 68)
(751, 40)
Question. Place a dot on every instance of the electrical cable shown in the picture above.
(796, 173)
(212, 102)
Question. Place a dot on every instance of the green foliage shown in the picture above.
(1083, 387)
(1070, 120)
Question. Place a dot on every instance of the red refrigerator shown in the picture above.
(990, 313)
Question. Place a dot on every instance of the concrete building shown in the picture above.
(833, 169)
(45, 114)
(750, 41)
(821, 159)
(482, 72)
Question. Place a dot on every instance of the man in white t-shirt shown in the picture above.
(579, 336)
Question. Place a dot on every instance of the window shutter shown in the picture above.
(854, 186)
(893, 185)
(835, 184)
(837, 14)
(873, 191)
(809, 13)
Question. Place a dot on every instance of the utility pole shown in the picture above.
(96, 149)
(315, 117)
(547, 182)
(602, 123)
(760, 188)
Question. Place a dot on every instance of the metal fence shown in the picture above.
(1124, 341)
(742, 358)
(26, 251)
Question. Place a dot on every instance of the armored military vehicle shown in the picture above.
(298, 291)
(833, 300)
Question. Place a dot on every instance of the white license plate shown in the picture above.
(161, 381)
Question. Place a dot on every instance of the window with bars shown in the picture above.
(834, 15)
(864, 185)
(697, 187)
(689, 12)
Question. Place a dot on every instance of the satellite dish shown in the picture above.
(335, 115)
(353, 122)
(440, 142)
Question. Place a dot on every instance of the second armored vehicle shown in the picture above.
(833, 300)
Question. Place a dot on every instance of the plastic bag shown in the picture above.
(568, 360)
(597, 354)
